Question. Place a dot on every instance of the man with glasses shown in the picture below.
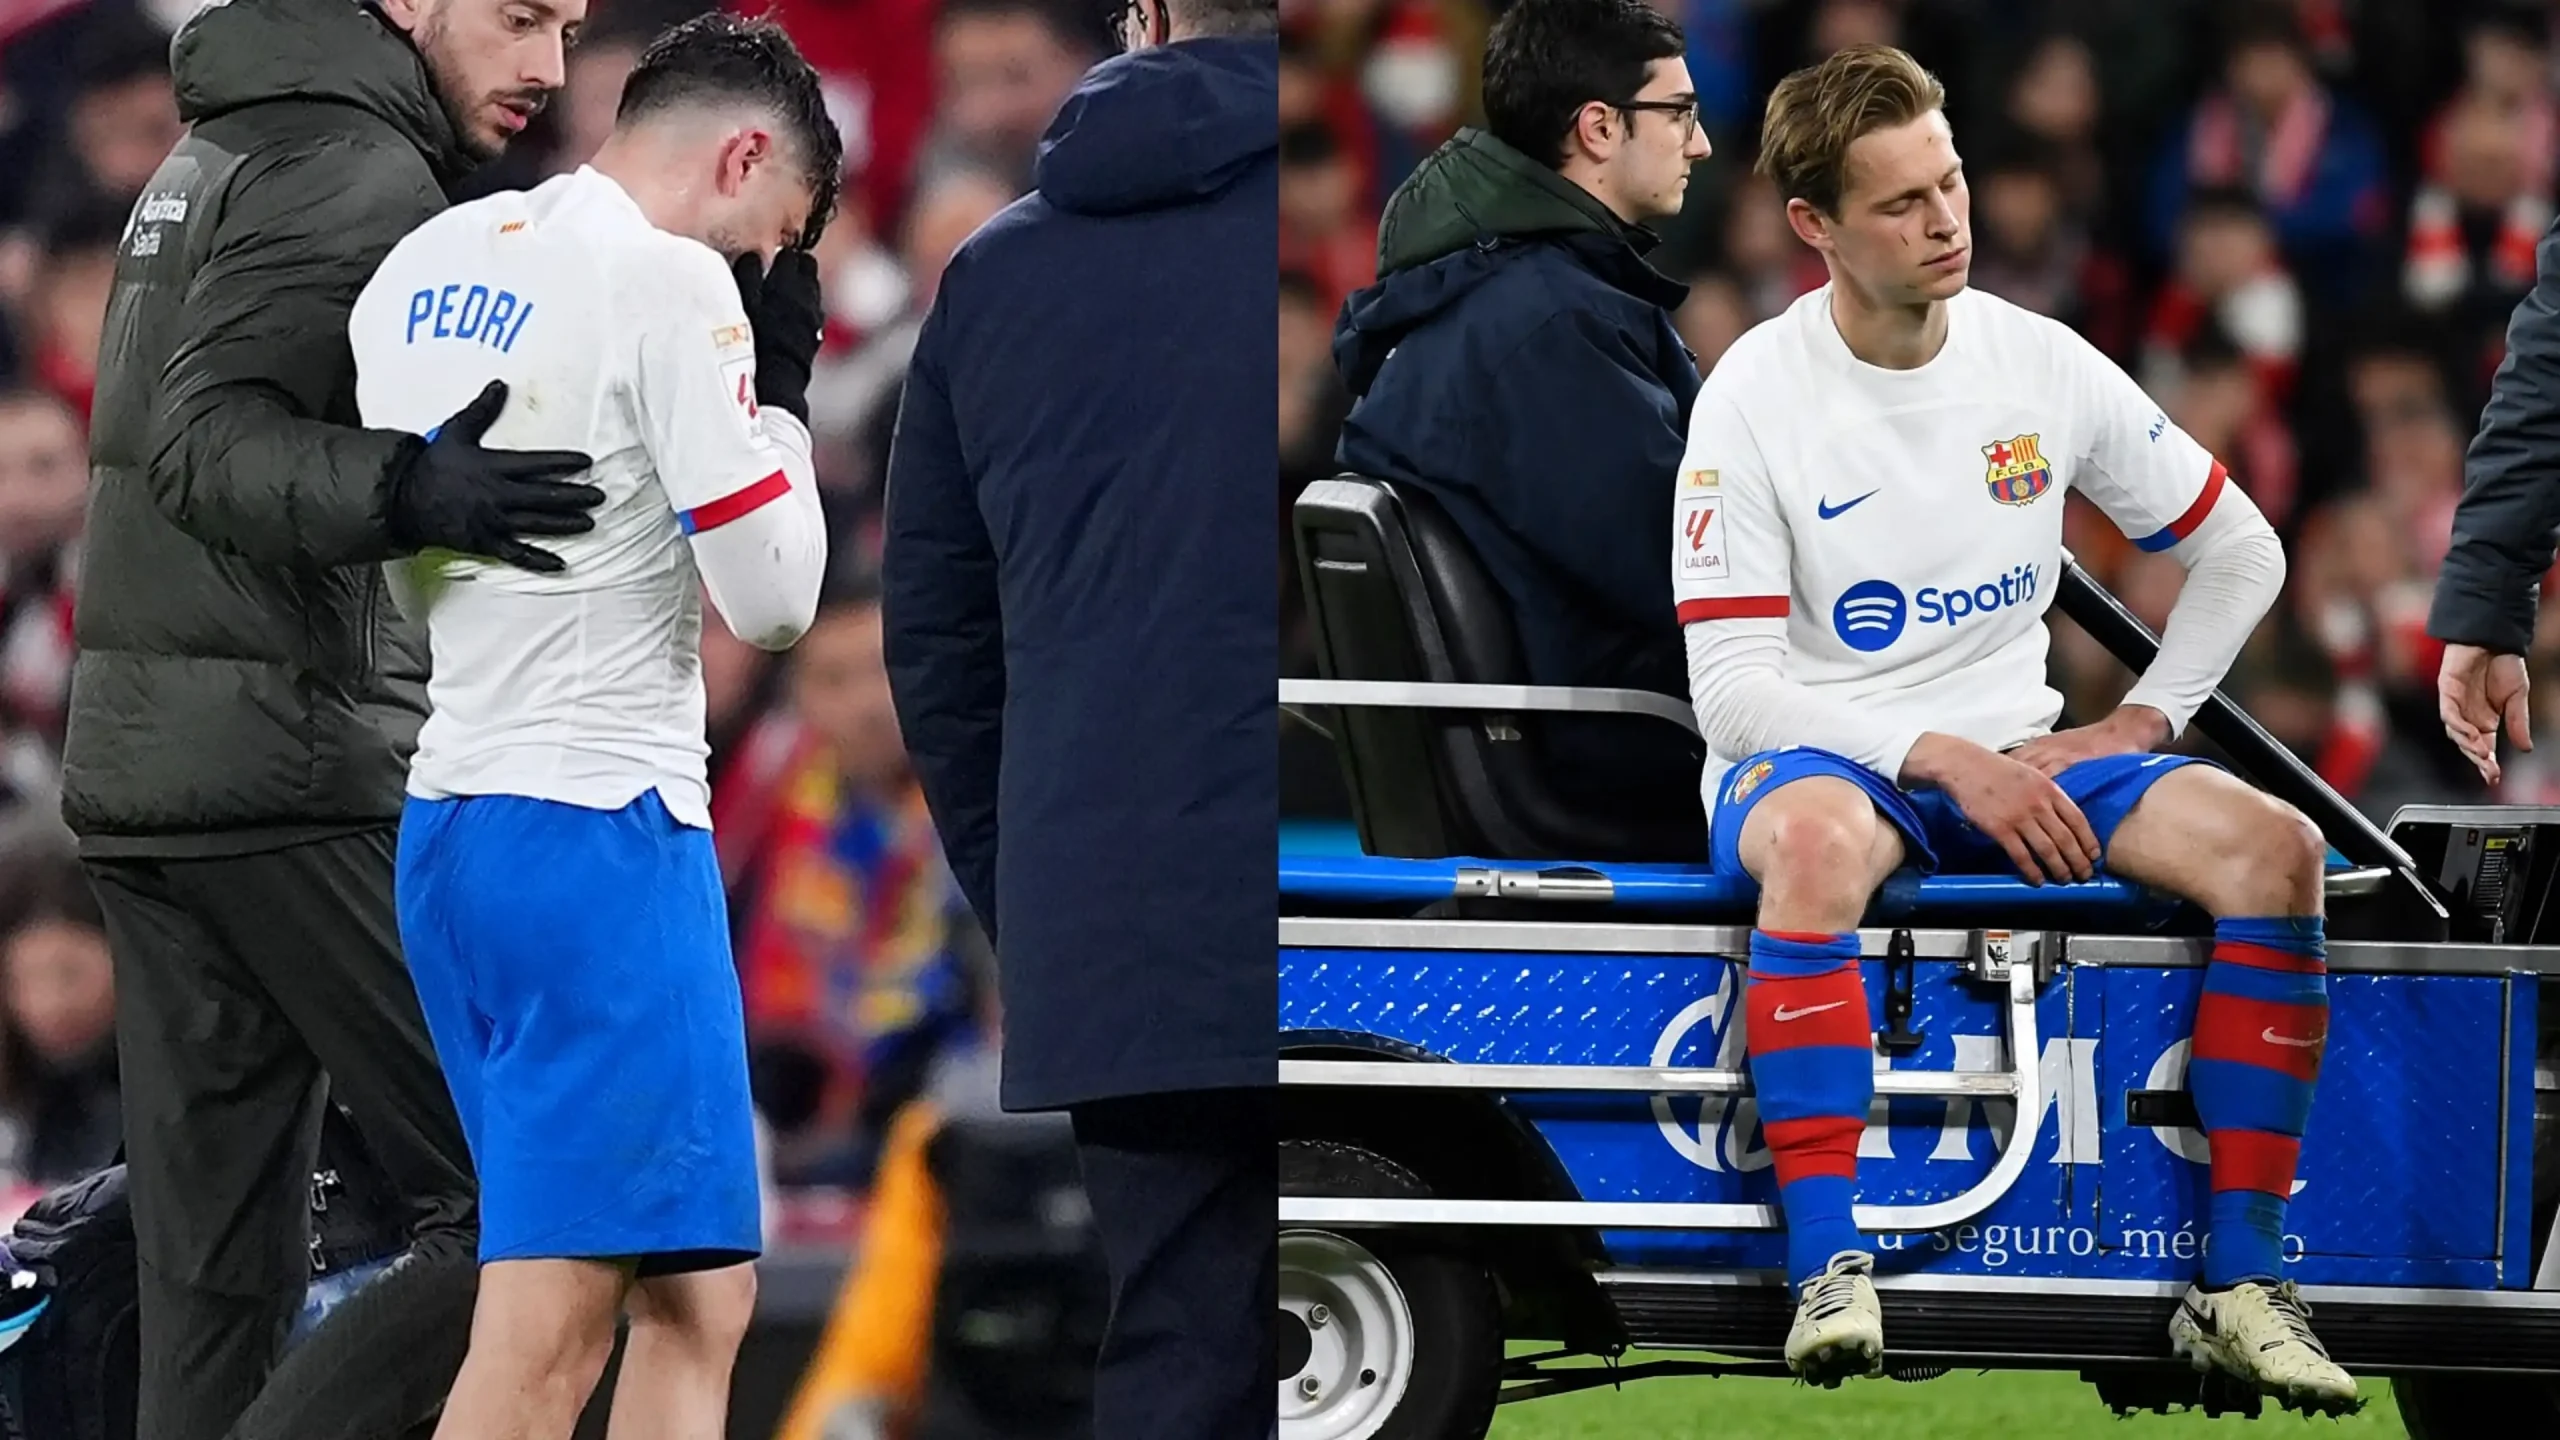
(1516, 361)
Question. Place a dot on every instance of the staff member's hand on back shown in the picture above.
(2475, 690)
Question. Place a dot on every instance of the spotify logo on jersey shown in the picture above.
(1869, 615)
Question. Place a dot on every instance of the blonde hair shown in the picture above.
(1815, 114)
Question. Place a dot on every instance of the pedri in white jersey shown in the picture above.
(628, 343)
(1886, 542)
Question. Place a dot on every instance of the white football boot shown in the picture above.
(2261, 1336)
(1839, 1329)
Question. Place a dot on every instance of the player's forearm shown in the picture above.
(2234, 579)
(1745, 704)
(765, 568)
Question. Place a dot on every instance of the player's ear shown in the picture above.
(740, 154)
(1811, 225)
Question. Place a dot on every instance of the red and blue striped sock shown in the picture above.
(1813, 1067)
(2260, 1030)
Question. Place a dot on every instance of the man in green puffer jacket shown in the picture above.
(246, 695)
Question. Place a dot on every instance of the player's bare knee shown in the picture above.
(2286, 861)
(2256, 855)
(1813, 846)
(707, 1312)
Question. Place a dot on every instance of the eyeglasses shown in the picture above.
(1683, 113)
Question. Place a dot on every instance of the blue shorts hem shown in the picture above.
(1936, 837)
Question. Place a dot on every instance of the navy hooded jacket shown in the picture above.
(1078, 595)
(1516, 360)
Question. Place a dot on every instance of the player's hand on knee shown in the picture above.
(2025, 814)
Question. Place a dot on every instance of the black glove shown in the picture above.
(454, 495)
(789, 319)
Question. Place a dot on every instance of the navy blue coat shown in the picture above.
(1517, 361)
(2490, 588)
(1082, 619)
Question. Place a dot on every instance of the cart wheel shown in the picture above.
(1382, 1335)
(2462, 1407)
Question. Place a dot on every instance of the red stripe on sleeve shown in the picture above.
(1737, 607)
(732, 506)
(2185, 525)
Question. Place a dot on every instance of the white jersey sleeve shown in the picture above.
(2168, 493)
(1732, 572)
(738, 475)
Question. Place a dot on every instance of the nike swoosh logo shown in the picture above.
(2271, 1037)
(1829, 511)
(1783, 1014)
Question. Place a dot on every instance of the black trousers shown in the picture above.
(1181, 1187)
(249, 990)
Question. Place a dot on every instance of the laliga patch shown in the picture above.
(1702, 537)
(738, 378)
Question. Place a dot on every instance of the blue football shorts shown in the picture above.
(1936, 837)
(575, 970)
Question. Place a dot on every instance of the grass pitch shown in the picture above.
(2014, 1405)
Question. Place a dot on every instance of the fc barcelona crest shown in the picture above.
(2018, 472)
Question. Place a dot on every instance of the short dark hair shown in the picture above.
(2523, 24)
(1309, 142)
(2223, 202)
(120, 47)
(2256, 24)
(83, 223)
(42, 882)
(1226, 17)
(1546, 59)
(720, 57)
(852, 582)
(1073, 24)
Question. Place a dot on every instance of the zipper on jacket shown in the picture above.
(372, 620)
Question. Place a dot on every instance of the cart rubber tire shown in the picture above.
(1457, 1311)
(2476, 1407)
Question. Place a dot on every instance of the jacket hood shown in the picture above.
(1464, 214)
(1475, 188)
(246, 52)
(1163, 126)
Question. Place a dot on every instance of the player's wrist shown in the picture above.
(2143, 726)
(1934, 757)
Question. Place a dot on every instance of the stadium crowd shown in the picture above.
(2300, 224)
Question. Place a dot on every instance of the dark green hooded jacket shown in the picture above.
(243, 679)
(1517, 361)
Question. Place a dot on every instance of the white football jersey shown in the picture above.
(630, 344)
(1903, 528)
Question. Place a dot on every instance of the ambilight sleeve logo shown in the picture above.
(1870, 614)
